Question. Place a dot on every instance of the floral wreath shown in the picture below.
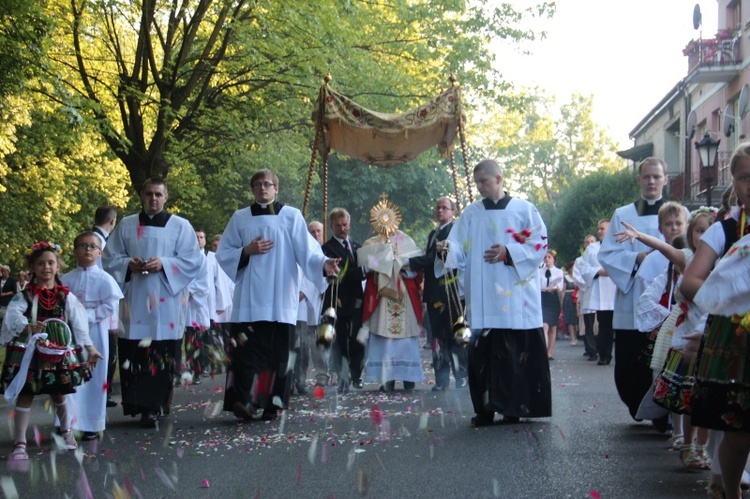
(385, 217)
(703, 210)
(44, 246)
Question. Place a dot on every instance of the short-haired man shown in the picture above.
(261, 249)
(348, 302)
(153, 255)
(499, 243)
(447, 355)
(621, 262)
(586, 333)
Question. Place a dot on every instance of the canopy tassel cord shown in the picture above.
(324, 158)
(462, 138)
(455, 182)
(318, 131)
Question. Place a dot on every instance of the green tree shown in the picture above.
(586, 201)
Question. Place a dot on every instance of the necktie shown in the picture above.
(346, 247)
(548, 274)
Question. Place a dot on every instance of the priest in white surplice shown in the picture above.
(260, 250)
(153, 256)
(499, 242)
(622, 262)
(100, 296)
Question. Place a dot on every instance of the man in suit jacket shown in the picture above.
(348, 303)
(447, 355)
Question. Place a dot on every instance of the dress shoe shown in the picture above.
(358, 384)
(149, 419)
(301, 388)
(409, 385)
(388, 387)
(604, 362)
(462, 382)
(661, 424)
(592, 358)
(111, 403)
(89, 435)
(269, 415)
(483, 419)
(244, 411)
(510, 420)
(438, 388)
(197, 380)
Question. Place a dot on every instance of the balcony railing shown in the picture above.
(716, 53)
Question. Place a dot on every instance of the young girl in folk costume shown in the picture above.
(721, 395)
(39, 357)
(675, 366)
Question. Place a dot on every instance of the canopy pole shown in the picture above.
(462, 137)
(324, 157)
(455, 183)
(318, 131)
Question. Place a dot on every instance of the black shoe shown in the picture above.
(197, 380)
(438, 388)
(388, 387)
(149, 419)
(89, 435)
(245, 412)
(592, 358)
(111, 403)
(510, 420)
(177, 382)
(358, 384)
(301, 388)
(604, 362)
(661, 424)
(483, 419)
(409, 385)
(462, 382)
(269, 415)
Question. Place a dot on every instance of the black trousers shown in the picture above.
(589, 340)
(146, 375)
(632, 378)
(447, 355)
(347, 348)
(606, 336)
(259, 365)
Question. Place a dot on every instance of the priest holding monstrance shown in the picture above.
(392, 312)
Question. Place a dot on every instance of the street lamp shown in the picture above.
(708, 150)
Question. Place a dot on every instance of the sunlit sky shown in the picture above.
(626, 53)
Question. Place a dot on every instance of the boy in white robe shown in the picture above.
(260, 249)
(499, 243)
(153, 256)
(100, 296)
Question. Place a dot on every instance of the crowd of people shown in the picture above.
(271, 298)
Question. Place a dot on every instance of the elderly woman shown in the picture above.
(552, 283)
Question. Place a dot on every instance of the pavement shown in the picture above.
(365, 444)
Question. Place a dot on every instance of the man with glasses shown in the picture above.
(260, 250)
(153, 255)
(447, 355)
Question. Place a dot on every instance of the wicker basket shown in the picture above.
(53, 351)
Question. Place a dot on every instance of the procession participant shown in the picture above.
(100, 296)
(197, 332)
(220, 291)
(105, 220)
(153, 255)
(599, 297)
(499, 242)
(551, 282)
(260, 250)
(447, 355)
(346, 349)
(586, 325)
(621, 262)
(392, 311)
(8, 288)
(35, 317)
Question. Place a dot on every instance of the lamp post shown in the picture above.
(708, 150)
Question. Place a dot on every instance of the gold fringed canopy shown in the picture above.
(384, 139)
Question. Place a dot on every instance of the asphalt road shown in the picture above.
(366, 444)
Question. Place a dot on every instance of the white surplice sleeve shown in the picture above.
(185, 264)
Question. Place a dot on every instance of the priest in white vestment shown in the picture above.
(260, 249)
(153, 256)
(499, 243)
